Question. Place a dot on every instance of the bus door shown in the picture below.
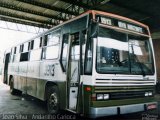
(73, 72)
(6, 62)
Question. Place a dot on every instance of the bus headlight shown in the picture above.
(150, 93)
(99, 96)
(146, 94)
(102, 96)
(106, 96)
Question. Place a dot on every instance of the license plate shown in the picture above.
(151, 106)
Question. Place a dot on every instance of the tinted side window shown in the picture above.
(15, 50)
(32, 44)
(24, 57)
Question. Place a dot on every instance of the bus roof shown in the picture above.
(94, 12)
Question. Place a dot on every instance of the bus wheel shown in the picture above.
(12, 90)
(53, 100)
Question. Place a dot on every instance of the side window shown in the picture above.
(18, 49)
(29, 45)
(15, 55)
(75, 52)
(25, 47)
(65, 46)
(15, 48)
(32, 44)
(11, 55)
(21, 48)
(24, 57)
(24, 52)
(83, 43)
(84, 38)
(51, 52)
(52, 38)
(35, 53)
(36, 43)
(45, 41)
(41, 39)
(51, 45)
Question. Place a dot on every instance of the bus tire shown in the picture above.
(12, 90)
(53, 101)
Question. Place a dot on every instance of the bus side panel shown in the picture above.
(13, 70)
(22, 76)
(19, 80)
(23, 81)
(33, 77)
(61, 82)
(51, 73)
(46, 75)
(16, 82)
(32, 86)
(41, 83)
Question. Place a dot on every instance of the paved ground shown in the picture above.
(20, 107)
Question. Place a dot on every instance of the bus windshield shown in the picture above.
(123, 53)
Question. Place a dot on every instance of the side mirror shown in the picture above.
(94, 29)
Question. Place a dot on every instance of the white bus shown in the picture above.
(97, 64)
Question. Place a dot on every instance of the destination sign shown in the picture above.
(130, 27)
(121, 24)
(106, 21)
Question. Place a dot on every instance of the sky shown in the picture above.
(9, 38)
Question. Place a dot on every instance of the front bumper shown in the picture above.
(115, 110)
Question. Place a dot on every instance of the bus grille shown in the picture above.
(123, 82)
(127, 95)
(125, 92)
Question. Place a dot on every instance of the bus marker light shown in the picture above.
(88, 88)
(146, 94)
(150, 93)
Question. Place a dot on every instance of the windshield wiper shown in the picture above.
(138, 62)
